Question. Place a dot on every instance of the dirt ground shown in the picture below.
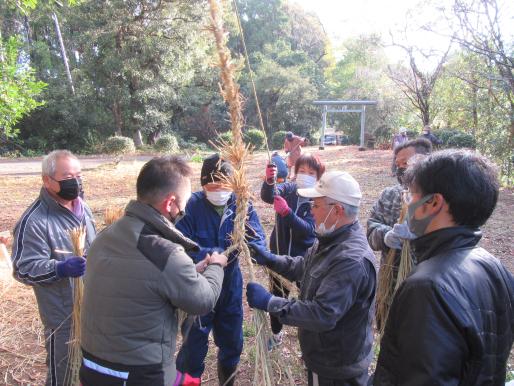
(22, 358)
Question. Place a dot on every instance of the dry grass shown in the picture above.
(21, 337)
(78, 240)
(386, 279)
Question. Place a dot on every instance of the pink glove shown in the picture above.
(271, 173)
(281, 206)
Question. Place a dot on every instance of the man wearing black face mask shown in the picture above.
(42, 255)
(386, 211)
(452, 319)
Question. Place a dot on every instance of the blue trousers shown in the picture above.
(226, 323)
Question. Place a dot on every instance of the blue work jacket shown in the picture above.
(211, 231)
(296, 230)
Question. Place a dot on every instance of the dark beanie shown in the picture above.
(212, 167)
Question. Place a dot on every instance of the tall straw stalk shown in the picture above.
(78, 238)
(236, 152)
(386, 278)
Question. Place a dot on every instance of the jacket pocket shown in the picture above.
(311, 284)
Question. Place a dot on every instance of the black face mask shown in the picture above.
(399, 174)
(70, 188)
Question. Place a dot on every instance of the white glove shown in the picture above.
(395, 237)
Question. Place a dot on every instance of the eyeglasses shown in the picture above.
(313, 206)
(407, 196)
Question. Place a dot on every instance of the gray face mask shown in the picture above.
(418, 227)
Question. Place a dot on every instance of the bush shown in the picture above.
(277, 140)
(226, 136)
(166, 144)
(119, 145)
(256, 138)
(445, 135)
(462, 140)
(192, 144)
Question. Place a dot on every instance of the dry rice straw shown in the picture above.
(78, 238)
(112, 214)
(386, 280)
(236, 152)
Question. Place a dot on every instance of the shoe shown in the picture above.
(274, 341)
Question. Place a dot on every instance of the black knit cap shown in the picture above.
(212, 167)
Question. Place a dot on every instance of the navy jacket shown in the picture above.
(452, 319)
(296, 230)
(205, 226)
(334, 312)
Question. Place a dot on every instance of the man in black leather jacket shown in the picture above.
(452, 319)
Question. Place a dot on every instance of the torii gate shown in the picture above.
(339, 106)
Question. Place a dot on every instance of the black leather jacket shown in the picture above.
(452, 319)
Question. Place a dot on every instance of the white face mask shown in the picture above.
(321, 230)
(218, 198)
(305, 181)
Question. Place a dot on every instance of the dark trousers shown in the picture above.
(361, 380)
(56, 345)
(226, 322)
(97, 372)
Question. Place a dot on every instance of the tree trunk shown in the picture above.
(154, 136)
(118, 121)
(138, 139)
(474, 108)
(63, 52)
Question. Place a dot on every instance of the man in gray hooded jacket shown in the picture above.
(42, 255)
(139, 276)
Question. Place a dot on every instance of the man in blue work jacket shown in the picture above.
(209, 220)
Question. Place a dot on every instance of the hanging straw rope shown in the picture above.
(236, 152)
(78, 239)
(271, 275)
(386, 278)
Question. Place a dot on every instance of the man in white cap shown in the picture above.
(334, 312)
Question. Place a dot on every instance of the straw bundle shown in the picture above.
(4, 254)
(386, 279)
(237, 152)
(112, 214)
(78, 238)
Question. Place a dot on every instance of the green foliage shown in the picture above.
(462, 140)
(248, 329)
(18, 87)
(256, 138)
(119, 145)
(277, 139)
(166, 144)
(192, 143)
(226, 136)
(196, 158)
(445, 134)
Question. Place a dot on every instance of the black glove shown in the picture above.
(260, 254)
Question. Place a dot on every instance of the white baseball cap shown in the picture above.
(403, 130)
(339, 186)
